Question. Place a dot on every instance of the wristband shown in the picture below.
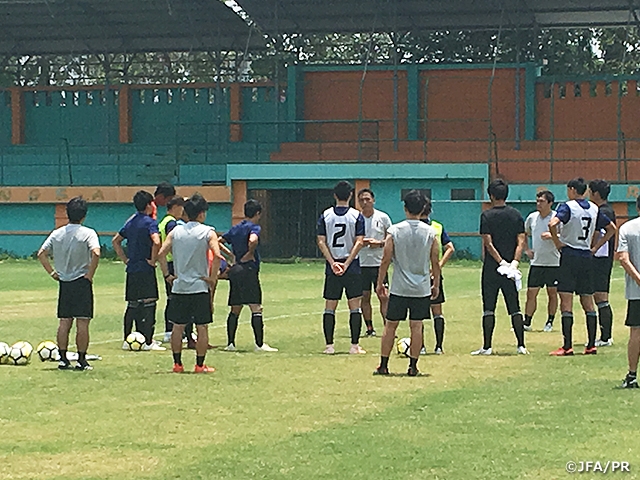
(53, 272)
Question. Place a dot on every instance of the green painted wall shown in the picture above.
(5, 118)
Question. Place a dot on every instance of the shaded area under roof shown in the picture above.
(350, 16)
(121, 26)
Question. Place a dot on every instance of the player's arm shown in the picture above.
(628, 267)
(155, 248)
(520, 247)
(436, 271)
(387, 255)
(553, 230)
(252, 244)
(43, 256)
(93, 265)
(116, 243)
(162, 258)
(610, 231)
(214, 246)
(357, 246)
(336, 268)
(487, 243)
(448, 248)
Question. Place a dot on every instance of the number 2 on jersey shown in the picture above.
(586, 225)
(340, 232)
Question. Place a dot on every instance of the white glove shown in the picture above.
(504, 263)
(515, 264)
(504, 270)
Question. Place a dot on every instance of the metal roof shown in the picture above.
(119, 26)
(349, 16)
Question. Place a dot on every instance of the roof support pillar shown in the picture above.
(17, 116)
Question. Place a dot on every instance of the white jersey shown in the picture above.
(71, 247)
(341, 230)
(412, 240)
(629, 241)
(578, 231)
(545, 253)
(375, 227)
(189, 248)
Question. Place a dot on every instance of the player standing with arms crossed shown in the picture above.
(340, 237)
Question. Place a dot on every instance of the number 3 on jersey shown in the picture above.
(338, 234)
(586, 226)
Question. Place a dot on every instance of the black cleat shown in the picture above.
(83, 366)
(370, 333)
(381, 371)
(629, 382)
(62, 365)
(413, 372)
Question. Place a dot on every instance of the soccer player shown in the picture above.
(192, 282)
(76, 252)
(376, 224)
(447, 248)
(580, 219)
(503, 239)
(143, 242)
(175, 211)
(413, 247)
(340, 238)
(244, 276)
(164, 192)
(545, 260)
(603, 263)
(629, 256)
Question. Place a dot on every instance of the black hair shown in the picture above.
(578, 184)
(76, 209)
(638, 202)
(498, 189)
(165, 189)
(548, 196)
(366, 190)
(175, 201)
(427, 206)
(414, 202)
(252, 208)
(194, 206)
(141, 199)
(342, 190)
(600, 186)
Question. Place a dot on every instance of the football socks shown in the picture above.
(606, 320)
(329, 325)
(438, 328)
(567, 327)
(592, 328)
(488, 324)
(177, 358)
(200, 361)
(518, 328)
(527, 320)
(232, 327)
(258, 328)
(355, 325)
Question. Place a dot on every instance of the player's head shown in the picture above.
(498, 190)
(426, 211)
(414, 202)
(599, 188)
(638, 203)
(366, 198)
(76, 209)
(342, 191)
(175, 206)
(544, 200)
(252, 208)
(142, 200)
(576, 187)
(196, 208)
(164, 192)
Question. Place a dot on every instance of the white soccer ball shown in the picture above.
(403, 346)
(20, 353)
(136, 341)
(4, 352)
(48, 351)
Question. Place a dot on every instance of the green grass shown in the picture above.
(299, 415)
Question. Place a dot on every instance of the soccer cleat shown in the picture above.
(522, 351)
(157, 342)
(548, 327)
(413, 372)
(357, 350)
(604, 343)
(203, 369)
(264, 348)
(167, 337)
(381, 371)
(561, 352)
(83, 367)
(230, 348)
(482, 351)
(528, 328)
(438, 351)
(629, 382)
(153, 347)
(329, 350)
(62, 365)
(590, 351)
(177, 368)
(423, 351)
(370, 333)
(125, 346)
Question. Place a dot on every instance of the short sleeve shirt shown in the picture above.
(629, 241)
(137, 231)
(412, 241)
(504, 224)
(375, 227)
(71, 247)
(238, 238)
(545, 253)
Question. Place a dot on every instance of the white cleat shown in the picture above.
(329, 350)
(167, 337)
(528, 328)
(125, 346)
(230, 348)
(153, 348)
(264, 348)
(357, 350)
(522, 351)
(548, 327)
(601, 343)
(482, 351)
(423, 351)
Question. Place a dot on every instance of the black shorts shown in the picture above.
(141, 285)
(439, 300)
(601, 268)
(540, 276)
(75, 299)
(191, 308)
(351, 283)
(575, 275)
(419, 308)
(492, 284)
(369, 277)
(244, 286)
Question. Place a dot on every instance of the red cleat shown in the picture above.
(178, 368)
(204, 369)
(561, 352)
(591, 351)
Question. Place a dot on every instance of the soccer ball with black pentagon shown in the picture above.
(4, 352)
(136, 341)
(403, 346)
(48, 351)
(20, 353)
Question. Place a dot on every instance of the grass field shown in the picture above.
(297, 414)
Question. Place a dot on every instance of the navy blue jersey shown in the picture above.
(138, 230)
(238, 238)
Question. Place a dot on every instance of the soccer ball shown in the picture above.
(136, 341)
(20, 353)
(4, 352)
(403, 346)
(48, 351)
